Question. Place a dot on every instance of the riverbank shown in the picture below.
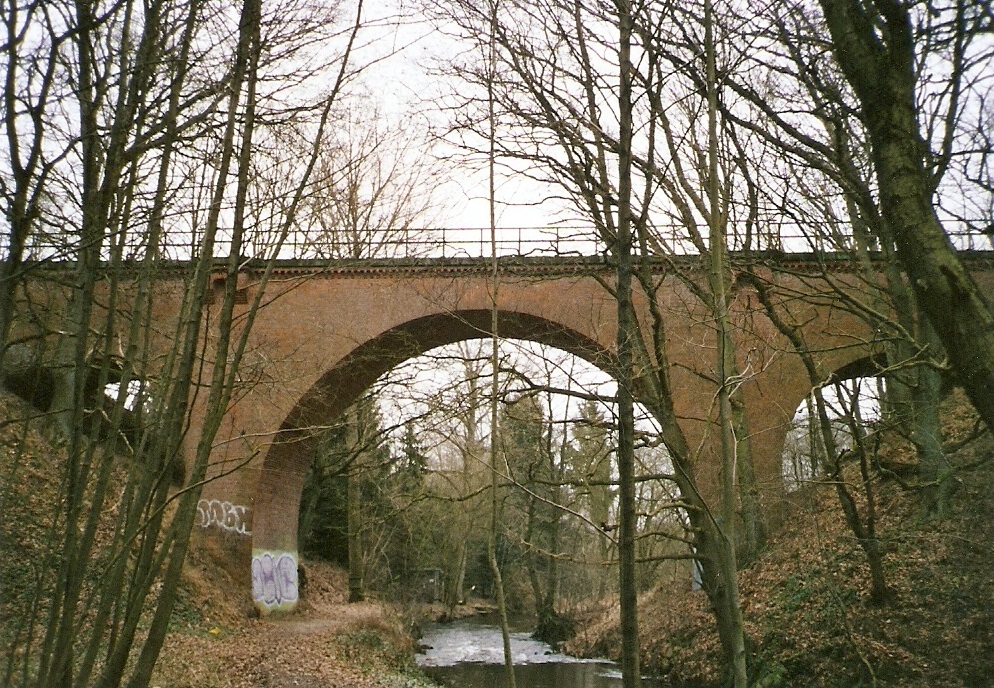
(806, 600)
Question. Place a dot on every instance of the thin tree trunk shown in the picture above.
(531, 561)
(228, 357)
(455, 590)
(353, 501)
(728, 420)
(457, 576)
(627, 332)
(495, 363)
(67, 394)
(865, 536)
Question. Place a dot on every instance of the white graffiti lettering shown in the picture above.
(224, 515)
(274, 578)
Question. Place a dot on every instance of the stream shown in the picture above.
(470, 653)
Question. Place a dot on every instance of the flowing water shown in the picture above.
(471, 653)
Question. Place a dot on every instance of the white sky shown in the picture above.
(403, 87)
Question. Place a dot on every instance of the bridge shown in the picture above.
(327, 330)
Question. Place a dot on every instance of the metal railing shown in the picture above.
(459, 243)
(564, 241)
(444, 243)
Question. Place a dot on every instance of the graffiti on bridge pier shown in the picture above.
(274, 578)
(225, 515)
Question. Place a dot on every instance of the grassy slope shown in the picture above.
(806, 600)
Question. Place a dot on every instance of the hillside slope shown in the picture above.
(214, 642)
(806, 600)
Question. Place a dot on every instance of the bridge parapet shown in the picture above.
(802, 262)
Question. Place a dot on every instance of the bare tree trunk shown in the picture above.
(25, 133)
(875, 47)
(469, 452)
(353, 500)
(552, 580)
(728, 420)
(863, 531)
(576, 107)
(454, 592)
(627, 333)
(133, 108)
(228, 353)
(495, 358)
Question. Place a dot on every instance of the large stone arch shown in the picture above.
(574, 313)
(276, 504)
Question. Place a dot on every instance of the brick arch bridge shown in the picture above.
(328, 333)
(325, 332)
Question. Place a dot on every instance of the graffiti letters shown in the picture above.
(274, 578)
(224, 515)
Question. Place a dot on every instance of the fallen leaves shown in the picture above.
(330, 644)
(806, 600)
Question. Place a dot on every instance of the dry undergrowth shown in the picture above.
(806, 600)
(214, 640)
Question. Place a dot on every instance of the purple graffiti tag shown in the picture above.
(274, 578)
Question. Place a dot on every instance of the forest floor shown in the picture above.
(805, 601)
(329, 643)
(214, 641)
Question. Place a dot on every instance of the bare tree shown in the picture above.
(878, 46)
(373, 188)
(565, 115)
(142, 78)
(819, 172)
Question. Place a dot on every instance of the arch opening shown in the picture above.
(421, 462)
(853, 397)
(279, 538)
(278, 496)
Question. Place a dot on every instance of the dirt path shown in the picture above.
(321, 649)
(330, 644)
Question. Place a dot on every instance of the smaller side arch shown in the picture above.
(865, 366)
